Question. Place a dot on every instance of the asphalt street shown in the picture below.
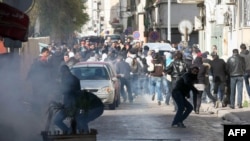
(146, 120)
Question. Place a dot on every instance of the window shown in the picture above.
(91, 73)
(246, 13)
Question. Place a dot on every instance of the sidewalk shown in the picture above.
(235, 116)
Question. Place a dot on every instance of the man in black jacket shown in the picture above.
(180, 93)
(69, 85)
(89, 107)
(176, 69)
(40, 78)
(236, 67)
(219, 73)
(245, 53)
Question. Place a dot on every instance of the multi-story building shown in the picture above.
(226, 24)
(164, 17)
(95, 10)
(106, 17)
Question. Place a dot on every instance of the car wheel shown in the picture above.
(112, 106)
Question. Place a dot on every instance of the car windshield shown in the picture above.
(90, 73)
(113, 37)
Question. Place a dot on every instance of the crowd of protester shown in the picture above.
(155, 73)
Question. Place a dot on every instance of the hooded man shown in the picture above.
(180, 93)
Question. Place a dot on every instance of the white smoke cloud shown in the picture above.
(19, 121)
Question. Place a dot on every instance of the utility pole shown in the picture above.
(169, 20)
(120, 8)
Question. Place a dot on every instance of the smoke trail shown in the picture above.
(19, 121)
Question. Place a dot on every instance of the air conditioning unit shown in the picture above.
(229, 2)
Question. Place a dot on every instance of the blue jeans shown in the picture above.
(150, 85)
(134, 80)
(143, 81)
(236, 81)
(166, 88)
(82, 119)
(211, 82)
(246, 78)
(126, 82)
(184, 107)
(219, 90)
(157, 83)
(58, 121)
(211, 88)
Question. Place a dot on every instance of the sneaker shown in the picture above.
(153, 97)
(181, 125)
(197, 112)
(216, 104)
(124, 100)
(174, 125)
(232, 107)
(178, 125)
(224, 104)
(208, 101)
(240, 106)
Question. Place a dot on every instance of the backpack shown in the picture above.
(134, 66)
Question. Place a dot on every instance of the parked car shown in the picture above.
(99, 78)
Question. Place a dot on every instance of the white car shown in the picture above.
(100, 79)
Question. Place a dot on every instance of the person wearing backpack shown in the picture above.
(156, 77)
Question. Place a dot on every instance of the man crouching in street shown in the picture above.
(180, 93)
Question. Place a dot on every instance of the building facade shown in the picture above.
(158, 20)
(226, 24)
(106, 17)
(141, 16)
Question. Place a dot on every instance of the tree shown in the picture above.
(60, 18)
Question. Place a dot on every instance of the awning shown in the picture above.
(14, 23)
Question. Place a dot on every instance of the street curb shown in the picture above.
(224, 114)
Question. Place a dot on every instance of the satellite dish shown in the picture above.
(185, 25)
